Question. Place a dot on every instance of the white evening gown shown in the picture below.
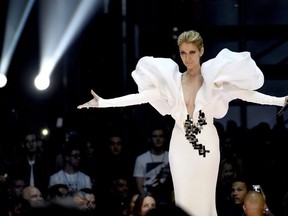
(228, 76)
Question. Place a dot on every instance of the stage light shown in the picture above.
(41, 82)
(60, 23)
(44, 132)
(3, 80)
(18, 12)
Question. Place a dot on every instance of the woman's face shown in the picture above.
(190, 55)
(148, 203)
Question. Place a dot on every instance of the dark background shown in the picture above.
(103, 55)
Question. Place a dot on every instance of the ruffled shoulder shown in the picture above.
(154, 72)
(162, 73)
(236, 68)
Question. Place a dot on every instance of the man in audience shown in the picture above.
(255, 205)
(152, 170)
(70, 174)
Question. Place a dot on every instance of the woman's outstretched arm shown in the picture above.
(146, 96)
(260, 98)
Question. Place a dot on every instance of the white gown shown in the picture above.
(228, 76)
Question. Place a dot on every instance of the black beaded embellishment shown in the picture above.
(192, 129)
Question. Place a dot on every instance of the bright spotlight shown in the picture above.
(44, 132)
(17, 15)
(61, 21)
(3, 80)
(42, 82)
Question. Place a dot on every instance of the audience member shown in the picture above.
(56, 193)
(70, 174)
(117, 199)
(16, 186)
(34, 196)
(90, 163)
(4, 192)
(17, 206)
(143, 204)
(33, 167)
(226, 176)
(254, 204)
(115, 160)
(129, 209)
(234, 206)
(152, 170)
(91, 199)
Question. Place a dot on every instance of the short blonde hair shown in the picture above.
(191, 36)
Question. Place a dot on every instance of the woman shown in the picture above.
(143, 204)
(194, 98)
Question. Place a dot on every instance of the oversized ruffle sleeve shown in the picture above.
(235, 68)
(228, 76)
(162, 73)
(158, 81)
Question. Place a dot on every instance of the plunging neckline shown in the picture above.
(183, 97)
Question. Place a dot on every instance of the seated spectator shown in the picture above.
(143, 204)
(70, 174)
(228, 171)
(234, 206)
(116, 200)
(115, 161)
(91, 199)
(255, 205)
(152, 170)
(57, 192)
(129, 210)
(17, 184)
(84, 200)
(34, 196)
(28, 163)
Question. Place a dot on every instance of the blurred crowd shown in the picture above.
(112, 174)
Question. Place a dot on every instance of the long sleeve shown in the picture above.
(146, 96)
(259, 98)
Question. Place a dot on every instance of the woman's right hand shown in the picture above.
(92, 103)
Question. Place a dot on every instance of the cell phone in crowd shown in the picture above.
(256, 188)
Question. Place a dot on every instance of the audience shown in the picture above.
(116, 183)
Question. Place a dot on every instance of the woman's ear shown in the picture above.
(201, 51)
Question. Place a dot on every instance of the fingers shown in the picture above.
(81, 106)
(94, 95)
(91, 103)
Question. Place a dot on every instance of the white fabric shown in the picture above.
(75, 181)
(148, 166)
(228, 76)
(131, 99)
(31, 163)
